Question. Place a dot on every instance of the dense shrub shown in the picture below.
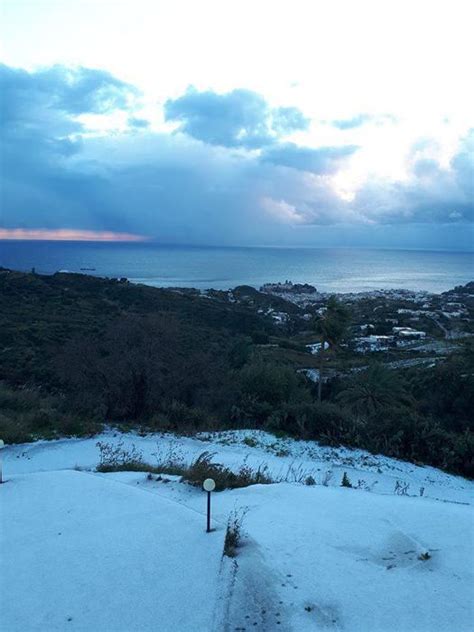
(117, 458)
(268, 383)
(446, 392)
(325, 422)
(240, 353)
(177, 416)
(26, 415)
(345, 481)
(204, 467)
(260, 338)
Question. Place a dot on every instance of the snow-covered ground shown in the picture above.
(83, 551)
(80, 552)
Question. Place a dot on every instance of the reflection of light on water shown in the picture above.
(399, 279)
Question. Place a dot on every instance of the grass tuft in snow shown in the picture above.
(204, 467)
(116, 458)
(401, 488)
(233, 534)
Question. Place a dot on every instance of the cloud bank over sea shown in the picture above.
(80, 153)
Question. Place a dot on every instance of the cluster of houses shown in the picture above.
(315, 347)
(400, 337)
(398, 317)
(279, 318)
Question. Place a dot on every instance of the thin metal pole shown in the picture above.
(208, 512)
(2, 445)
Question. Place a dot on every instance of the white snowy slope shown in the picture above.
(348, 560)
(81, 553)
(91, 552)
(285, 458)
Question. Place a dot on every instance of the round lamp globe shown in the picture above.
(209, 485)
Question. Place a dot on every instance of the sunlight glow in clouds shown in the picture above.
(66, 234)
(235, 122)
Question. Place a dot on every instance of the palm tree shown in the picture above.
(332, 328)
(373, 390)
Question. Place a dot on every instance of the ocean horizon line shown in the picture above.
(230, 246)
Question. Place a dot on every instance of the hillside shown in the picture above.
(41, 313)
(78, 352)
(126, 551)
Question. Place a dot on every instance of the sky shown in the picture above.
(309, 123)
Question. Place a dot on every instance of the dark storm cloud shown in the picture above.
(40, 135)
(319, 160)
(240, 118)
(39, 108)
(70, 91)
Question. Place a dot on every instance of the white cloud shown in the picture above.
(282, 211)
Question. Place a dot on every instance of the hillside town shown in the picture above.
(400, 328)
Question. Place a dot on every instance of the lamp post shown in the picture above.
(209, 486)
(2, 445)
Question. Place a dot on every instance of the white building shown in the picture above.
(408, 332)
(368, 344)
(315, 348)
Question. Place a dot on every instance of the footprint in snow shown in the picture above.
(254, 603)
(325, 617)
(400, 551)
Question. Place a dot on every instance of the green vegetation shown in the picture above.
(78, 351)
(27, 414)
(374, 390)
(332, 328)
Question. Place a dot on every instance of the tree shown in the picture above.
(239, 353)
(374, 389)
(268, 383)
(140, 364)
(332, 329)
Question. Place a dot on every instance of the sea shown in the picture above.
(338, 270)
